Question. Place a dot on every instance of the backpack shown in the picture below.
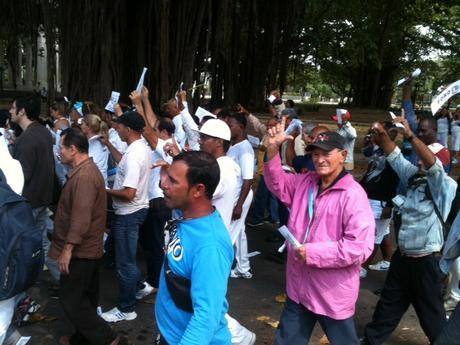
(21, 252)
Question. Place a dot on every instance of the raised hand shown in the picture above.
(276, 134)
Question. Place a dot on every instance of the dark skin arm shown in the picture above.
(127, 193)
(382, 139)
(115, 153)
(238, 209)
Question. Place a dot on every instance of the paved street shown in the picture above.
(249, 300)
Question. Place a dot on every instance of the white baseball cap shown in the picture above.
(216, 128)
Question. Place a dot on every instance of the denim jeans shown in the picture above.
(262, 198)
(450, 334)
(45, 226)
(297, 323)
(125, 235)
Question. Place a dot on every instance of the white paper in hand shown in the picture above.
(284, 231)
(393, 116)
(201, 112)
(113, 100)
(141, 80)
(295, 123)
(271, 98)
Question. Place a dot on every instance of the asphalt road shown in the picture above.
(252, 302)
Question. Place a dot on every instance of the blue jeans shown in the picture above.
(297, 323)
(262, 197)
(125, 230)
(45, 226)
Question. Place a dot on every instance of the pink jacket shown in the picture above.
(341, 238)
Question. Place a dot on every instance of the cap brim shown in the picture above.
(320, 146)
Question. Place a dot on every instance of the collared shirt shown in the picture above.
(81, 213)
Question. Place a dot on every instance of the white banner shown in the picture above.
(444, 96)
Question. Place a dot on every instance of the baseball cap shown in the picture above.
(216, 128)
(441, 153)
(344, 113)
(327, 141)
(133, 120)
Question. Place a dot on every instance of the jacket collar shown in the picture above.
(79, 167)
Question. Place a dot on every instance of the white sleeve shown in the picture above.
(247, 163)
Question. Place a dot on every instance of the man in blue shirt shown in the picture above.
(191, 304)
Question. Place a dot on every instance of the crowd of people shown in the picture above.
(180, 187)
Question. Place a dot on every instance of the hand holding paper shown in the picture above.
(284, 231)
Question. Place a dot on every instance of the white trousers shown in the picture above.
(6, 315)
(239, 239)
(240, 334)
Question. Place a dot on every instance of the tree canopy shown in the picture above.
(245, 48)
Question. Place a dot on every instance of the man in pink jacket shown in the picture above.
(331, 218)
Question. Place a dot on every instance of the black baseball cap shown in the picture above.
(133, 120)
(327, 141)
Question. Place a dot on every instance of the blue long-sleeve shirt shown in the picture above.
(202, 252)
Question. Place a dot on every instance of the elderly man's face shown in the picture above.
(327, 163)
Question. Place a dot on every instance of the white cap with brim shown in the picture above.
(216, 128)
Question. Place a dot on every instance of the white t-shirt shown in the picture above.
(349, 133)
(100, 154)
(12, 170)
(228, 190)
(134, 172)
(158, 154)
(443, 125)
(116, 141)
(243, 154)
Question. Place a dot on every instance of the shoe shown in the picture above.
(235, 274)
(380, 266)
(450, 304)
(115, 315)
(147, 290)
(254, 224)
(362, 273)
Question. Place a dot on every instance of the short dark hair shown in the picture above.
(430, 120)
(72, 136)
(240, 118)
(4, 117)
(31, 105)
(225, 145)
(165, 123)
(202, 168)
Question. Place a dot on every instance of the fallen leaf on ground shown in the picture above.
(263, 318)
(274, 324)
(281, 298)
(324, 340)
(149, 301)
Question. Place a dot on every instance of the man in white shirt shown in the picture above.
(131, 203)
(243, 154)
(346, 130)
(151, 234)
(215, 139)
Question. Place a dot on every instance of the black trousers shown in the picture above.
(415, 281)
(151, 238)
(78, 295)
